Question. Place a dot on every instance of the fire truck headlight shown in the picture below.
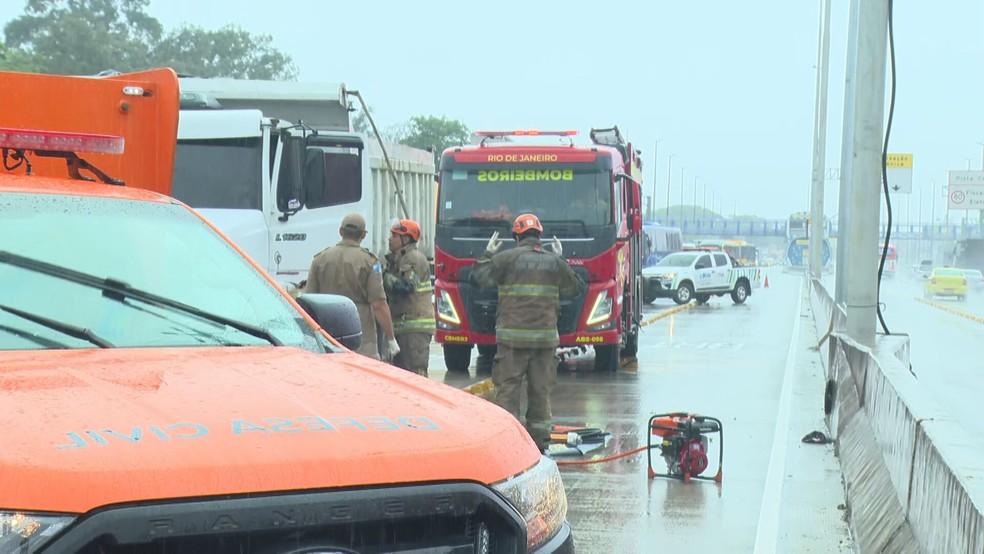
(445, 308)
(602, 309)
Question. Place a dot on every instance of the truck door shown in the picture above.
(320, 180)
(722, 271)
(704, 273)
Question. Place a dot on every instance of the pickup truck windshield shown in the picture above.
(156, 247)
(677, 260)
(495, 195)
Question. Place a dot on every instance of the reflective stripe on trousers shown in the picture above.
(512, 334)
(529, 290)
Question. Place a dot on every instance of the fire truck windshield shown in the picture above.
(572, 198)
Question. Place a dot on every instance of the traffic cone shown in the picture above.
(766, 284)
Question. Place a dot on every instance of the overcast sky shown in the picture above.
(727, 87)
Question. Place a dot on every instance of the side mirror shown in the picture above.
(636, 223)
(335, 314)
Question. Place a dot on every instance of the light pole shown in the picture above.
(669, 165)
(703, 204)
(682, 169)
(695, 198)
(655, 171)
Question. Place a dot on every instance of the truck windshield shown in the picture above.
(158, 247)
(494, 196)
(219, 173)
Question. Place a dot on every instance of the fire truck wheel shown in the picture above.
(457, 357)
(606, 358)
(631, 345)
(486, 355)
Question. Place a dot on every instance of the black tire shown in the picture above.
(702, 298)
(684, 293)
(486, 356)
(648, 293)
(457, 357)
(740, 294)
(607, 358)
(631, 345)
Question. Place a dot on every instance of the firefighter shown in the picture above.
(530, 280)
(409, 291)
(352, 271)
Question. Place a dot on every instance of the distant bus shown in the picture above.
(740, 251)
(660, 241)
(796, 226)
(891, 259)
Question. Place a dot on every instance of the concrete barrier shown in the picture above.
(912, 480)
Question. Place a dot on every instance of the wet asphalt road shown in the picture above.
(947, 351)
(721, 360)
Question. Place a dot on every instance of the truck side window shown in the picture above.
(332, 176)
(704, 262)
(720, 260)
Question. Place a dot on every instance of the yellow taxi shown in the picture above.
(946, 281)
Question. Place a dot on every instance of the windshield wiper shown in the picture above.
(120, 291)
(60, 326)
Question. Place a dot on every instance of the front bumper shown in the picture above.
(657, 288)
(561, 543)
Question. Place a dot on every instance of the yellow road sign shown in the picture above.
(898, 161)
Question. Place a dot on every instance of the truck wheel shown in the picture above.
(606, 358)
(702, 298)
(648, 296)
(740, 294)
(457, 357)
(631, 345)
(486, 355)
(684, 293)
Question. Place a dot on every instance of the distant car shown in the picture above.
(924, 268)
(975, 278)
(946, 281)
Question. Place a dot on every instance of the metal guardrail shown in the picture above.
(913, 480)
(777, 228)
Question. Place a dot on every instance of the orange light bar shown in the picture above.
(29, 139)
(525, 133)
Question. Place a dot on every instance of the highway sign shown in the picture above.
(899, 169)
(965, 190)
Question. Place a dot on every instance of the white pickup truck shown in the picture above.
(698, 275)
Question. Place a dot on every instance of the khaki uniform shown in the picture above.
(352, 271)
(410, 295)
(530, 282)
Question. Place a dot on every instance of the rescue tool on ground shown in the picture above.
(597, 226)
(159, 392)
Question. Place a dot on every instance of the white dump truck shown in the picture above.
(698, 275)
(276, 166)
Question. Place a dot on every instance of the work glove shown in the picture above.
(494, 243)
(392, 349)
(557, 248)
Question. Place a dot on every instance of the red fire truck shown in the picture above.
(588, 196)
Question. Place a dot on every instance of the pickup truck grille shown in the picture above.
(481, 305)
(456, 518)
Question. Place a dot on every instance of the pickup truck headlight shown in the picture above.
(602, 309)
(445, 308)
(538, 495)
(28, 532)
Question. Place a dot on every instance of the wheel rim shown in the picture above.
(741, 292)
(684, 294)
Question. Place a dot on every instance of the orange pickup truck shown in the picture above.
(160, 393)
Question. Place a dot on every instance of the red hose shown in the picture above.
(611, 458)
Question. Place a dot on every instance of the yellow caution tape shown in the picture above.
(955, 311)
(481, 389)
(665, 314)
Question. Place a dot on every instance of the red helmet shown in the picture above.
(525, 222)
(407, 228)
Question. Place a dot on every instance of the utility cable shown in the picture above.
(888, 199)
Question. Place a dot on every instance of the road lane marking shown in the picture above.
(949, 309)
(767, 532)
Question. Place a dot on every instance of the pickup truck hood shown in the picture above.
(87, 428)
